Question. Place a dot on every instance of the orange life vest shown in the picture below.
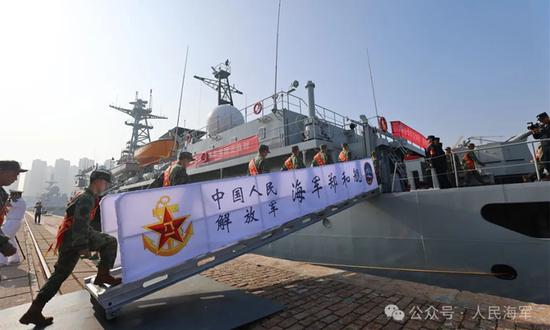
(343, 156)
(66, 225)
(252, 169)
(289, 164)
(166, 176)
(470, 164)
(319, 159)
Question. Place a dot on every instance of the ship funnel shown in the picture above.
(310, 86)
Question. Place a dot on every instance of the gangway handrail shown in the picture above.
(110, 301)
(456, 170)
(484, 168)
(503, 145)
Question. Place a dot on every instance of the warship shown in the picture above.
(490, 238)
(53, 201)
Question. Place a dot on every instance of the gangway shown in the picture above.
(109, 301)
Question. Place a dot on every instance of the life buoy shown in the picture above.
(383, 124)
(258, 107)
(204, 157)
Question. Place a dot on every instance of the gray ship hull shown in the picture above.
(432, 230)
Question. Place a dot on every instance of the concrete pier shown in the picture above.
(314, 297)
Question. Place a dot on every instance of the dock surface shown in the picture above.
(316, 297)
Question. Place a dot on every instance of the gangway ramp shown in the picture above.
(167, 235)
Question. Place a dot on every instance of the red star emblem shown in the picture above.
(168, 228)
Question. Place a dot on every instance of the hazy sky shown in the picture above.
(448, 68)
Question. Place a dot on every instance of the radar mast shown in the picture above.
(140, 126)
(221, 84)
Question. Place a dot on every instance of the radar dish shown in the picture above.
(222, 118)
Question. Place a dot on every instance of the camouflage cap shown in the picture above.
(542, 115)
(295, 148)
(324, 147)
(100, 174)
(11, 165)
(263, 147)
(186, 155)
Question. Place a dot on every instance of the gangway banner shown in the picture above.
(161, 228)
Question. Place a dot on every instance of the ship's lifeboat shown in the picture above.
(154, 152)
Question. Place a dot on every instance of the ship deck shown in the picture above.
(312, 296)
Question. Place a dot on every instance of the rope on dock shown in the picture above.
(417, 270)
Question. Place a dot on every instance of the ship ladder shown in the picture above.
(109, 301)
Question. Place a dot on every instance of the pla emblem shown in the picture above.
(369, 173)
(169, 234)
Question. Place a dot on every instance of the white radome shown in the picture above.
(222, 118)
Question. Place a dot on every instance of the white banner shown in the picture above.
(161, 228)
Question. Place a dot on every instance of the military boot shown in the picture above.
(34, 315)
(104, 277)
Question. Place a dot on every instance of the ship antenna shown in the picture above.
(181, 96)
(372, 85)
(276, 55)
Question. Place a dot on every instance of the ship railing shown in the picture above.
(286, 101)
(458, 173)
(294, 132)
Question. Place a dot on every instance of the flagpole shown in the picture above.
(372, 85)
(181, 97)
(276, 55)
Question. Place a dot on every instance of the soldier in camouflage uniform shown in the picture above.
(76, 238)
(9, 171)
(322, 157)
(469, 162)
(345, 154)
(257, 164)
(176, 173)
(294, 161)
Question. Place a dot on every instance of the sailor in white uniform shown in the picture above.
(12, 224)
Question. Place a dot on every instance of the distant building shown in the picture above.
(62, 173)
(85, 163)
(73, 171)
(49, 175)
(35, 179)
(62, 176)
(109, 164)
